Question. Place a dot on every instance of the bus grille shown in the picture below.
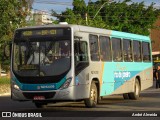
(47, 95)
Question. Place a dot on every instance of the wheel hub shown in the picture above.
(93, 95)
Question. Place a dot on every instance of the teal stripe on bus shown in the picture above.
(39, 87)
(129, 36)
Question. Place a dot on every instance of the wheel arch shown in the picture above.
(93, 98)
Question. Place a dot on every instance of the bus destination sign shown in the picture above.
(56, 32)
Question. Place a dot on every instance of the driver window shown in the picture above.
(60, 49)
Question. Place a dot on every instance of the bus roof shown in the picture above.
(110, 33)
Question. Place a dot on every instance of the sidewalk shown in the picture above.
(5, 94)
(5, 90)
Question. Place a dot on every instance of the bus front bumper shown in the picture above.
(71, 93)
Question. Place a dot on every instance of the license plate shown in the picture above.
(39, 98)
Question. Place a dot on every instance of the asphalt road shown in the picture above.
(111, 106)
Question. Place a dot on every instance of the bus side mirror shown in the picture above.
(7, 50)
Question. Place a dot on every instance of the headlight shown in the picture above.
(16, 87)
(66, 84)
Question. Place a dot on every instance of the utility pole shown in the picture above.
(86, 16)
(0, 63)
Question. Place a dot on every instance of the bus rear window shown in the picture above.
(146, 52)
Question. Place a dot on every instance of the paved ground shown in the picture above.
(111, 106)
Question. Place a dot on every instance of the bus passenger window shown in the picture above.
(105, 48)
(94, 49)
(146, 52)
(137, 51)
(127, 50)
(117, 49)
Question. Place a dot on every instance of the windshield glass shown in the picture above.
(38, 57)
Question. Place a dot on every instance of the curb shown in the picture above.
(5, 94)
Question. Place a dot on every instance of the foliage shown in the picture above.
(13, 15)
(126, 16)
(4, 80)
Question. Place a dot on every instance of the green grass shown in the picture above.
(4, 80)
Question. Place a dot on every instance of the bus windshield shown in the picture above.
(41, 56)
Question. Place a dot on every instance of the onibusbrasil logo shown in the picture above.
(21, 115)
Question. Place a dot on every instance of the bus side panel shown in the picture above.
(147, 80)
(84, 79)
(120, 77)
(108, 79)
(82, 84)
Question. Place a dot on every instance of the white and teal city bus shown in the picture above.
(56, 63)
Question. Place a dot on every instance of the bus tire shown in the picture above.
(135, 95)
(92, 100)
(126, 96)
(40, 105)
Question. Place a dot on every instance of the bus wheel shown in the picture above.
(92, 100)
(135, 95)
(40, 105)
(125, 96)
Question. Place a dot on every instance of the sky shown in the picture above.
(61, 5)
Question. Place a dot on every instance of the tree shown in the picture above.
(75, 16)
(79, 7)
(126, 16)
(13, 15)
